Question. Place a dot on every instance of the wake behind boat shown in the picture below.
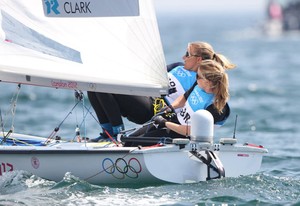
(72, 46)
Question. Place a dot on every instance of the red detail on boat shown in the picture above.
(35, 162)
(253, 145)
(243, 155)
(152, 146)
(6, 167)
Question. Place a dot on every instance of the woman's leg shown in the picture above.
(111, 111)
(137, 109)
(101, 115)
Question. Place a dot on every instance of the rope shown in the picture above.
(158, 104)
(17, 140)
(2, 126)
(82, 122)
(57, 128)
(80, 98)
(111, 138)
(12, 109)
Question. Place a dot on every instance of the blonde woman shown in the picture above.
(111, 107)
(211, 88)
(181, 78)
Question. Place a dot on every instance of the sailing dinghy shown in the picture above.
(72, 45)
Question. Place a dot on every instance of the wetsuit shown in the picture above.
(111, 107)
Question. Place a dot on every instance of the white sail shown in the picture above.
(89, 45)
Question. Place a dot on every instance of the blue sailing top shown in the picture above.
(180, 80)
(197, 99)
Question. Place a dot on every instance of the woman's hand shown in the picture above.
(160, 121)
(167, 109)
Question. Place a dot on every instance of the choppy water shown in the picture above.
(264, 95)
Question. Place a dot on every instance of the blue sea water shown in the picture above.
(264, 95)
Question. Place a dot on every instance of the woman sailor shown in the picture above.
(182, 77)
(111, 107)
(211, 88)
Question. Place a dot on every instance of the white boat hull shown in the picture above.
(105, 163)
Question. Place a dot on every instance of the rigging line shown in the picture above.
(13, 103)
(2, 129)
(17, 140)
(57, 128)
(111, 138)
(82, 122)
(68, 114)
(14, 106)
(84, 117)
(89, 111)
(235, 126)
(78, 97)
(5, 137)
(2, 125)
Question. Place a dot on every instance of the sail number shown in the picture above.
(6, 167)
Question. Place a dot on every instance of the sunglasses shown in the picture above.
(187, 55)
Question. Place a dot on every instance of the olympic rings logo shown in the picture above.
(194, 99)
(121, 168)
(181, 73)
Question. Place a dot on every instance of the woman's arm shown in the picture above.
(179, 102)
(180, 129)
